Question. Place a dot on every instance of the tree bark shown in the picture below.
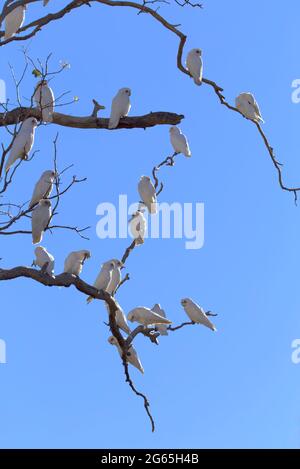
(90, 122)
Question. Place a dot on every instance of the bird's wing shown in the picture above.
(42, 190)
(14, 21)
(115, 113)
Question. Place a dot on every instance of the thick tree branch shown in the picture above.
(91, 122)
(62, 280)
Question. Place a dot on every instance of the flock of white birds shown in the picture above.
(109, 276)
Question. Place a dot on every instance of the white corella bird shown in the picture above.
(41, 216)
(44, 99)
(148, 194)
(196, 313)
(132, 356)
(115, 276)
(14, 21)
(43, 187)
(121, 319)
(44, 260)
(248, 106)
(120, 107)
(146, 317)
(74, 262)
(179, 141)
(23, 142)
(104, 278)
(138, 226)
(195, 66)
(161, 328)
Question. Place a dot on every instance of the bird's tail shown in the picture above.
(198, 81)
(153, 206)
(8, 35)
(260, 119)
(47, 115)
(32, 203)
(89, 299)
(9, 163)
(113, 123)
(37, 238)
(139, 240)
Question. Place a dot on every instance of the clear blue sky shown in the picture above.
(63, 385)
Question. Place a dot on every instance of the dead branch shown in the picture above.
(92, 122)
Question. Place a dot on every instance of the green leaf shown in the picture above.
(36, 73)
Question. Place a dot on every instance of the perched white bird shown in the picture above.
(23, 142)
(104, 278)
(14, 21)
(146, 316)
(74, 262)
(40, 218)
(247, 105)
(179, 141)
(138, 226)
(132, 356)
(147, 192)
(43, 187)
(120, 107)
(43, 257)
(44, 99)
(161, 328)
(196, 313)
(116, 275)
(194, 65)
(120, 318)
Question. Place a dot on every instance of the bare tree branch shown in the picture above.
(142, 8)
(92, 122)
(22, 212)
(138, 393)
(189, 323)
